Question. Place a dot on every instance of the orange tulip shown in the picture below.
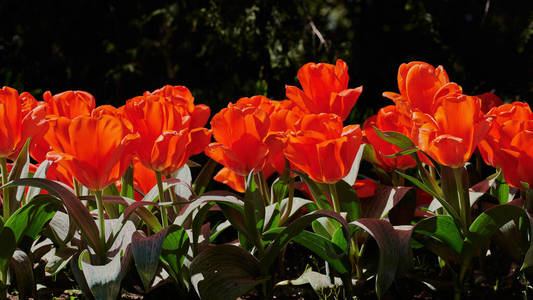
(181, 96)
(322, 148)
(418, 83)
(453, 132)
(516, 160)
(508, 121)
(365, 188)
(389, 118)
(69, 104)
(325, 89)
(166, 137)
(95, 150)
(20, 118)
(244, 142)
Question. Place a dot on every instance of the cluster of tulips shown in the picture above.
(96, 167)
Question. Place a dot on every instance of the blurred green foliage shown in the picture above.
(226, 49)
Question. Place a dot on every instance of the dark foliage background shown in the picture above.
(226, 49)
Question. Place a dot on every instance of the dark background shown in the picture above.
(223, 50)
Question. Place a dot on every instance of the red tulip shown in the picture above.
(20, 118)
(244, 142)
(453, 132)
(95, 150)
(325, 89)
(322, 148)
(167, 139)
(508, 121)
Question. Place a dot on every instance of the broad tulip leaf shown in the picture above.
(487, 223)
(254, 210)
(127, 189)
(39, 173)
(389, 250)
(102, 280)
(354, 170)
(320, 199)
(146, 251)
(349, 200)
(443, 229)
(395, 138)
(318, 281)
(297, 204)
(9, 244)
(279, 190)
(22, 266)
(30, 219)
(75, 207)
(318, 245)
(20, 166)
(385, 199)
(224, 272)
(174, 248)
(204, 177)
(295, 228)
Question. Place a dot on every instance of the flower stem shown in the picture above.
(334, 197)
(164, 218)
(290, 200)
(463, 199)
(101, 220)
(5, 194)
(264, 187)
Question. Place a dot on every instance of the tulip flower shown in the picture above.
(166, 137)
(325, 89)
(516, 160)
(95, 150)
(181, 96)
(418, 83)
(389, 118)
(365, 188)
(322, 148)
(244, 142)
(453, 132)
(508, 121)
(20, 117)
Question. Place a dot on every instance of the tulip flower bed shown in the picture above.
(428, 198)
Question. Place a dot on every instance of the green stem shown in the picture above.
(463, 199)
(5, 200)
(164, 217)
(287, 213)
(264, 187)
(175, 205)
(101, 220)
(334, 197)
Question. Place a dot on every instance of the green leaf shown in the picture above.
(174, 248)
(279, 190)
(354, 170)
(395, 138)
(385, 199)
(39, 173)
(224, 272)
(22, 266)
(403, 152)
(9, 244)
(102, 280)
(318, 281)
(487, 223)
(75, 207)
(318, 245)
(292, 230)
(389, 249)
(349, 200)
(126, 189)
(21, 164)
(31, 218)
(254, 211)
(320, 199)
(146, 251)
(204, 177)
(440, 235)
